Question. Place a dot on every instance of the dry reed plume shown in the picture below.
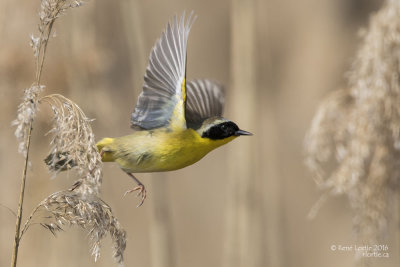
(73, 145)
(353, 145)
(73, 207)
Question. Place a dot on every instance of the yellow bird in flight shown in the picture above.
(176, 122)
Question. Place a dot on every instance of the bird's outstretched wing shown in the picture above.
(162, 101)
(205, 99)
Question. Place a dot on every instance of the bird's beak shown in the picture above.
(241, 132)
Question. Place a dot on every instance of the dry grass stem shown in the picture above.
(73, 145)
(50, 10)
(353, 145)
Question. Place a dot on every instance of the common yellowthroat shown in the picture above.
(177, 122)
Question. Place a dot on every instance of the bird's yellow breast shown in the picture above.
(158, 150)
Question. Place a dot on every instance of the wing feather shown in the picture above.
(162, 100)
(205, 99)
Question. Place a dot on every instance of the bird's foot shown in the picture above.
(142, 193)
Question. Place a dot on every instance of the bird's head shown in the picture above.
(218, 128)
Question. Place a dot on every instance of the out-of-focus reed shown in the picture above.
(353, 145)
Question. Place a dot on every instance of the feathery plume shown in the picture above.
(73, 144)
(72, 207)
(353, 145)
(26, 114)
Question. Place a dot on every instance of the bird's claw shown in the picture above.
(142, 192)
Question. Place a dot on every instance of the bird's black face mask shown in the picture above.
(222, 131)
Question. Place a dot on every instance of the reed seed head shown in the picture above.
(73, 143)
(26, 114)
(353, 145)
(72, 207)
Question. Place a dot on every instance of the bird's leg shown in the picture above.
(140, 188)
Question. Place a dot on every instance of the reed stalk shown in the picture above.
(44, 37)
(72, 146)
(20, 203)
(244, 241)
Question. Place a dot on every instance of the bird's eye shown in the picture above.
(223, 127)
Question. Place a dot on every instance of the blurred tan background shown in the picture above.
(243, 205)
